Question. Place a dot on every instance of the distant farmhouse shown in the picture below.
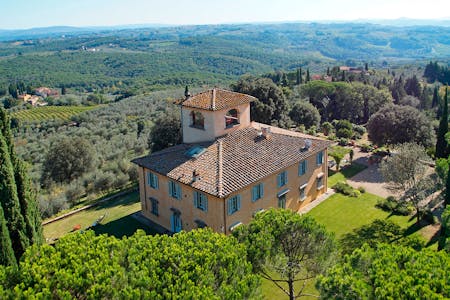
(229, 168)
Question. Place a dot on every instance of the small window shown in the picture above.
(200, 201)
(234, 204)
(282, 179)
(174, 190)
(257, 192)
(302, 167)
(303, 192)
(231, 118)
(152, 180)
(319, 158)
(319, 182)
(154, 206)
(197, 120)
(282, 201)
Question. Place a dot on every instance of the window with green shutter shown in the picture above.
(200, 201)
(152, 180)
(174, 190)
(257, 192)
(282, 179)
(234, 204)
(319, 158)
(302, 167)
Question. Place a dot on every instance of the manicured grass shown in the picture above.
(344, 173)
(342, 214)
(117, 222)
(45, 113)
(271, 291)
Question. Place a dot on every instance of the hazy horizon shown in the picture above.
(104, 13)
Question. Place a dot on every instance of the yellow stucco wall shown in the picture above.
(213, 217)
(217, 215)
(214, 124)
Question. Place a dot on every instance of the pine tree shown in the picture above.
(308, 79)
(6, 253)
(441, 144)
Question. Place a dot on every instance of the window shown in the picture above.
(302, 167)
(231, 118)
(320, 181)
(174, 190)
(282, 179)
(257, 192)
(154, 206)
(303, 192)
(152, 180)
(197, 120)
(234, 204)
(200, 201)
(319, 158)
(282, 201)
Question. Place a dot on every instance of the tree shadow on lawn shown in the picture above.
(126, 200)
(125, 226)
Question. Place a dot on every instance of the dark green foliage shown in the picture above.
(412, 87)
(355, 102)
(379, 231)
(327, 128)
(344, 129)
(396, 124)
(67, 159)
(285, 247)
(345, 189)
(435, 102)
(434, 72)
(388, 272)
(165, 133)
(337, 153)
(307, 79)
(305, 113)
(271, 105)
(442, 149)
(189, 265)
(140, 127)
(390, 204)
(444, 237)
(6, 251)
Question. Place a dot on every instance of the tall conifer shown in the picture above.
(441, 143)
(6, 251)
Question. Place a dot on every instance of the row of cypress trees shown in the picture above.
(20, 221)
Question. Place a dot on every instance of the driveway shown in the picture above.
(370, 179)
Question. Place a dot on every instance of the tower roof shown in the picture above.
(217, 99)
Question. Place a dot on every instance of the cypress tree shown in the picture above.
(6, 251)
(308, 79)
(9, 201)
(301, 77)
(435, 100)
(298, 77)
(17, 197)
(441, 143)
(447, 188)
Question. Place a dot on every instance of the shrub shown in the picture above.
(359, 129)
(74, 192)
(343, 142)
(346, 189)
(362, 190)
(366, 148)
(390, 204)
(344, 133)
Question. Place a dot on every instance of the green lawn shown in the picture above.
(345, 173)
(117, 222)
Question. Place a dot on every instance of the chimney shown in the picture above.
(265, 132)
(195, 175)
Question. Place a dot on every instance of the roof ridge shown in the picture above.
(220, 168)
(213, 99)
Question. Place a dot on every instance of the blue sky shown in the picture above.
(41, 13)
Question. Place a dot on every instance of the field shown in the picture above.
(46, 113)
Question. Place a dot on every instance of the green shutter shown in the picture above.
(261, 189)
(170, 188)
(178, 190)
(279, 180)
(254, 193)
(156, 181)
(238, 202)
(195, 199)
(285, 177)
(229, 206)
(206, 202)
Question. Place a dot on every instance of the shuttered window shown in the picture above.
(257, 192)
(234, 204)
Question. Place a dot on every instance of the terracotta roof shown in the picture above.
(233, 161)
(217, 99)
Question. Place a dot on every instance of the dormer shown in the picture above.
(214, 113)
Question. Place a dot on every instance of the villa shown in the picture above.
(229, 168)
